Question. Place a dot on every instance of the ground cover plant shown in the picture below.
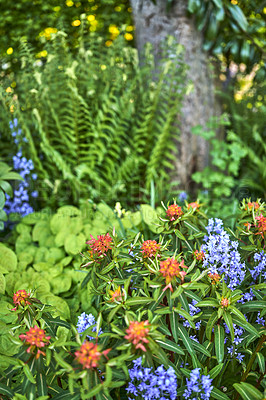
(178, 316)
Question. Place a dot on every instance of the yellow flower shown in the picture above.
(90, 18)
(69, 3)
(128, 36)
(9, 51)
(76, 22)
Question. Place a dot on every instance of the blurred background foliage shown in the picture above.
(35, 21)
(55, 88)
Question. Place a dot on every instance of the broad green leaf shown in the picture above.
(8, 258)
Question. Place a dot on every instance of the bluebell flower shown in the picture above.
(198, 386)
(260, 268)
(182, 196)
(260, 320)
(149, 384)
(221, 255)
(84, 322)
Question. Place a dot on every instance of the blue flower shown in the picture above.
(222, 256)
(260, 268)
(182, 196)
(198, 386)
(149, 384)
(84, 322)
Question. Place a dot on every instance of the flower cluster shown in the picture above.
(36, 338)
(89, 355)
(137, 333)
(170, 269)
(20, 201)
(260, 268)
(20, 298)
(221, 255)
(116, 294)
(101, 245)
(174, 212)
(198, 386)
(150, 385)
(150, 248)
(85, 321)
(261, 225)
(252, 204)
(195, 205)
(215, 278)
(198, 255)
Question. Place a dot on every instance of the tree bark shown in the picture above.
(153, 23)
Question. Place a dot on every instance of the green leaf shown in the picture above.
(2, 283)
(41, 384)
(5, 390)
(215, 371)
(208, 303)
(246, 325)
(238, 16)
(211, 321)
(169, 345)
(174, 323)
(229, 322)
(66, 395)
(28, 372)
(247, 391)
(8, 258)
(132, 301)
(199, 347)
(217, 394)
(219, 342)
(182, 333)
(261, 362)
(253, 306)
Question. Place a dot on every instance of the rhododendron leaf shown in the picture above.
(217, 394)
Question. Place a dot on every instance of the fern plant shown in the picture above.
(97, 124)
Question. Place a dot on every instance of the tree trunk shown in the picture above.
(153, 23)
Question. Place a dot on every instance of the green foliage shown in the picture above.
(6, 175)
(98, 125)
(47, 247)
(247, 118)
(36, 21)
(235, 30)
(220, 180)
(135, 286)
